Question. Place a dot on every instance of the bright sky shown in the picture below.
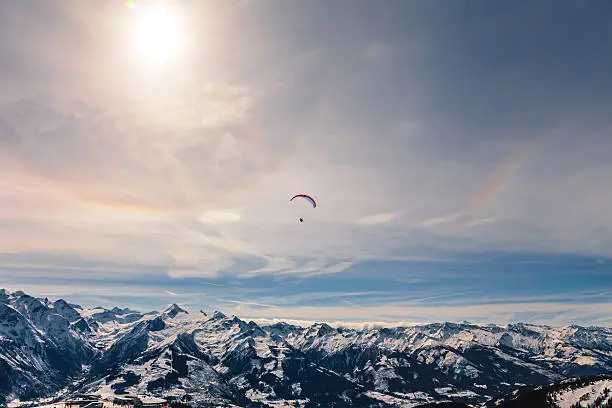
(459, 151)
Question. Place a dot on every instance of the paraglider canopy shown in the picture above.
(306, 197)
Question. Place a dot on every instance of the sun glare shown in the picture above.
(158, 36)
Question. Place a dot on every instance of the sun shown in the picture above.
(158, 36)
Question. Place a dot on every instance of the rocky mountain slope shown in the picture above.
(584, 392)
(39, 350)
(57, 348)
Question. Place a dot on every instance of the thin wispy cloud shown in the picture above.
(247, 303)
(556, 314)
(443, 219)
(480, 221)
(376, 219)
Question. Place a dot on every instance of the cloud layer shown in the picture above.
(424, 134)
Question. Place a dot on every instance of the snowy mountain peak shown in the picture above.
(174, 310)
(82, 326)
(218, 315)
(156, 324)
(506, 340)
(118, 311)
(115, 315)
(63, 308)
(320, 329)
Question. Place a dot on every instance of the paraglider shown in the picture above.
(307, 198)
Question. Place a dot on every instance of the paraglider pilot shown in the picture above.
(307, 197)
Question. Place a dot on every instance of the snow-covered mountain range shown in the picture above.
(57, 348)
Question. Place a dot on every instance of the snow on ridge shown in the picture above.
(371, 325)
(88, 312)
(394, 401)
(365, 325)
(585, 395)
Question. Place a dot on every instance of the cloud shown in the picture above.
(212, 217)
(443, 219)
(542, 313)
(225, 105)
(64, 266)
(310, 268)
(316, 297)
(247, 303)
(376, 219)
(201, 268)
(333, 268)
(441, 296)
(274, 265)
(166, 156)
(317, 267)
(480, 221)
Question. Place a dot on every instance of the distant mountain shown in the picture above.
(217, 360)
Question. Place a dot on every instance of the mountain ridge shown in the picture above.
(212, 359)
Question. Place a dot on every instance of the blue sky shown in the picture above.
(459, 153)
